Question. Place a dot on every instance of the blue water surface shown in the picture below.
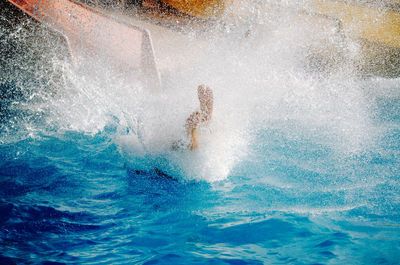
(69, 197)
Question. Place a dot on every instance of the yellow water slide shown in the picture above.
(378, 23)
(374, 23)
(375, 26)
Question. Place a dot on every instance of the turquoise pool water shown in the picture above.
(300, 166)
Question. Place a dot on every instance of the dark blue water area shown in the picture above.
(71, 198)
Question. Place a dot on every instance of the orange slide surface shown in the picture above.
(90, 32)
(200, 8)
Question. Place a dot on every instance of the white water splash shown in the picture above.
(267, 80)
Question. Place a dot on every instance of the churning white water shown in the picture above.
(266, 76)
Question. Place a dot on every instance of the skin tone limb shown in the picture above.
(206, 98)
